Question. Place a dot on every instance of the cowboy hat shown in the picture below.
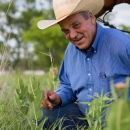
(65, 8)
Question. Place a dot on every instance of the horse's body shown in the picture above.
(109, 4)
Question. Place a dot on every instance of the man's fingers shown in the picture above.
(46, 107)
(46, 104)
(50, 100)
(45, 96)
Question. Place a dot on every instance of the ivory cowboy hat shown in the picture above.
(65, 8)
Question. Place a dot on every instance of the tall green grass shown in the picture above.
(20, 99)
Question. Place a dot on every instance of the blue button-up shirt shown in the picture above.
(83, 74)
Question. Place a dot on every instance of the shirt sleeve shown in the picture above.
(126, 62)
(127, 57)
(64, 90)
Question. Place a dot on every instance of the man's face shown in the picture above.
(79, 31)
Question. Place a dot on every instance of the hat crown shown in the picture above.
(63, 8)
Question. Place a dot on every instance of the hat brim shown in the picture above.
(42, 24)
(81, 6)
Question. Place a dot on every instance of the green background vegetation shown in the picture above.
(19, 34)
(19, 25)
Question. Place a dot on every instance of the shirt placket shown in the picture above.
(89, 71)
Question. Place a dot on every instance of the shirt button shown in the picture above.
(90, 89)
(94, 51)
(89, 74)
(88, 58)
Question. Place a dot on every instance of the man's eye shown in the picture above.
(76, 25)
(65, 32)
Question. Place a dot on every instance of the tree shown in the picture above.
(44, 41)
(125, 29)
(18, 16)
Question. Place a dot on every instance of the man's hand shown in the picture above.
(50, 100)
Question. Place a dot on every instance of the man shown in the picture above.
(93, 56)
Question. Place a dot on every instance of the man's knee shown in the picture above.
(67, 115)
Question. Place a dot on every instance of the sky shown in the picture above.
(121, 15)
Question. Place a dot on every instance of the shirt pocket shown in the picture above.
(104, 82)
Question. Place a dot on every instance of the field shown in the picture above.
(20, 99)
(21, 95)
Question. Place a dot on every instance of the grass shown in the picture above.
(20, 99)
(21, 95)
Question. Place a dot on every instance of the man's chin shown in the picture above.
(82, 48)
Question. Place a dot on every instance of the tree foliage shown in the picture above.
(50, 40)
(20, 19)
(26, 43)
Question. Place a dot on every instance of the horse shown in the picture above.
(109, 4)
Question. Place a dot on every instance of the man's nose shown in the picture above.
(73, 34)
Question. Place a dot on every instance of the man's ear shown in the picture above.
(92, 18)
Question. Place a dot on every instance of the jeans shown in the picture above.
(67, 118)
